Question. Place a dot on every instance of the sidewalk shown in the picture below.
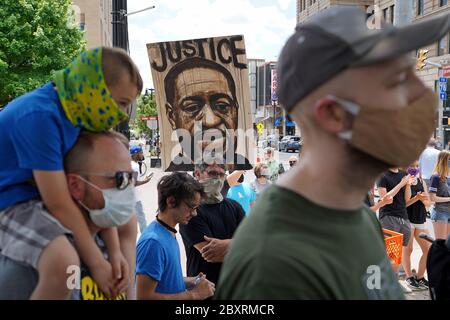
(415, 257)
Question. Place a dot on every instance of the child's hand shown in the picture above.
(104, 277)
(121, 271)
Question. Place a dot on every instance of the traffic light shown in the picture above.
(421, 57)
(445, 121)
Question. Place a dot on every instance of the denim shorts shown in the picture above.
(440, 216)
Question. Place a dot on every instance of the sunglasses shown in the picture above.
(292, 162)
(123, 178)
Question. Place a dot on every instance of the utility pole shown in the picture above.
(120, 40)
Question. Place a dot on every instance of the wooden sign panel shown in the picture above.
(202, 94)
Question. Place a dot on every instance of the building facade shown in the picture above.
(438, 52)
(95, 20)
(307, 8)
(264, 101)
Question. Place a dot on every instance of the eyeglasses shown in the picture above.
(292, 162)
(123, 178)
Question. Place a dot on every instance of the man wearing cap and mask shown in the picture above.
(357, 96)
(208, 235)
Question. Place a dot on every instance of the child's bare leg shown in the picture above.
(127, 238)
(53, 264)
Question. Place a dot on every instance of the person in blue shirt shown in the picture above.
(158, 264)
(36, 131)
(242, 192)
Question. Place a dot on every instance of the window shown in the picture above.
(391, 12)
(82, 24)
(420, 7)
(441, 46)
(443, 3)
(302, 4)
(385, 13)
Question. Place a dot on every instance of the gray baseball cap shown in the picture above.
(339, 38)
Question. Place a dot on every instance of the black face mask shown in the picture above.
(241, 179)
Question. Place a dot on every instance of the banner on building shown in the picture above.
(202, 94)
(274, 82)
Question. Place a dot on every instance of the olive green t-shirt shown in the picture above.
(291, 248)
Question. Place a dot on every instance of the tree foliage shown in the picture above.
(146, 107)
(37, 37)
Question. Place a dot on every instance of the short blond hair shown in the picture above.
(115, 62)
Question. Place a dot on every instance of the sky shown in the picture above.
(265, 24)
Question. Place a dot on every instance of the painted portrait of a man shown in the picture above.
(203, 92)
(203, 102)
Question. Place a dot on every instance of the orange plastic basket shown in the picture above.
(393, 241)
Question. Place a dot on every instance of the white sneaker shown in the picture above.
(404, 286)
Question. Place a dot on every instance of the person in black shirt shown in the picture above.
(207, 236)
(394, 216)
(417, 215)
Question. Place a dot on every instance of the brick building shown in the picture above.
(95, 20)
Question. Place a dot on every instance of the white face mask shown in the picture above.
(119, 206)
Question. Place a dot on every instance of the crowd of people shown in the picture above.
(69, 214)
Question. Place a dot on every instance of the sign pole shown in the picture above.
(442, 97)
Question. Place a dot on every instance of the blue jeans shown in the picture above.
(441, 216)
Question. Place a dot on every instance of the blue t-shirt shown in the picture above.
(158, 256)
(35, 134)
(244, 194)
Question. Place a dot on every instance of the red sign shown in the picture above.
(149, 118)
(446, 72)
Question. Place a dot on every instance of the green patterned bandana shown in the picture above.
(84, 96)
